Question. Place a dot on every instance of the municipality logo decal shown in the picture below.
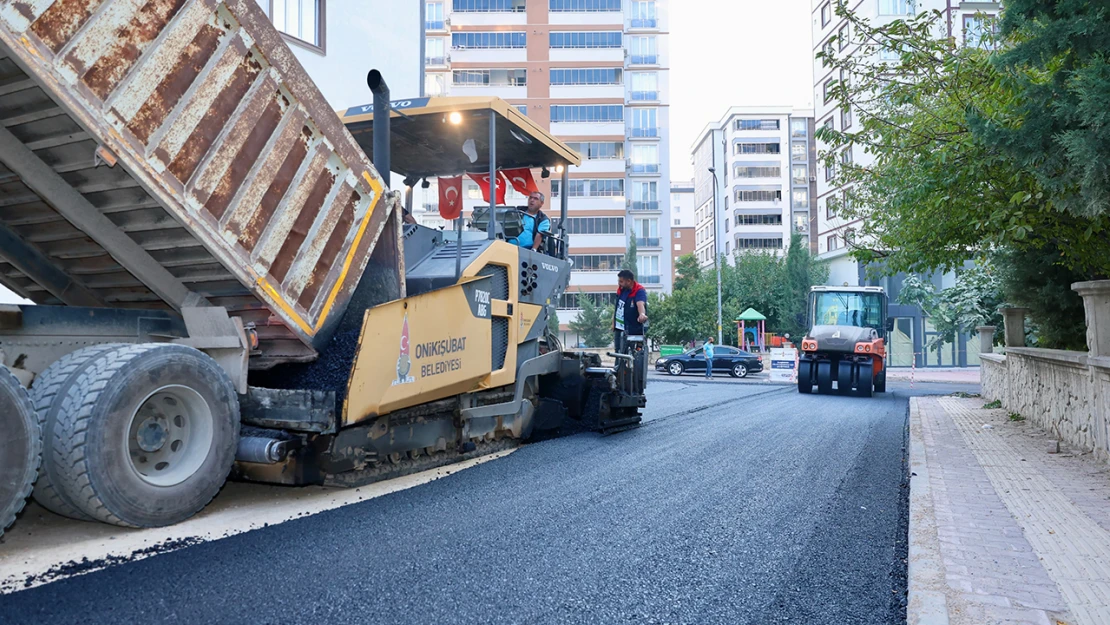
(404, 361)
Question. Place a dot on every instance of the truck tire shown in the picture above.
(151, 438)
(805, 376)
(844, 377)
(20, 447)
(44, 391)
(824, 377)
(880, 382)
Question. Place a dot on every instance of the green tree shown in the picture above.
(801, 272)
(973, 301)
(687, 270)
(594, 324)
(553, 321)
(1035, 279)
(630, 257)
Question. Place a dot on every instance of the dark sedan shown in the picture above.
(735, 362)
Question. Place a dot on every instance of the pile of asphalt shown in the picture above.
(332, 369)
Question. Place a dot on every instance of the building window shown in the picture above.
(584, 6)
(587, 113)
(896, 7)
(846, 117)
(757, 148)
(600, 76)
(830, 171)
(570, 301)
(846, 156)
(828, 88)
(645, 196)
(645, 159)
(433, 51)
(677, 235)
(488, 41)
(433, 16)
(830, 124)
(649, 269)
(887, 53)
(644, 14)
(602, 39)
(727, 252)
(834, 242)
(435, 84)
(752, 243)
(595, 225)
(599, 150)
(726, 223)
(522, 109)
(644, 123)
(798, 151)
(741, 171)
(757, 124)
(597, 262)
(799, 128)
(488, 6)
(645, 86)
(979, 32)
(842, 37)
(590, 187)
(643, 52)
(826, 14)
(830, 208)
(829, 53)
(759, 220)
(800, 198)
(490, 77)
(799, 174)
(743, 195)
(303, 20)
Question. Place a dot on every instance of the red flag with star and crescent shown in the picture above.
(522, 180)
(483, 183)
(450, 197)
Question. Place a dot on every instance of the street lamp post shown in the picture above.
(717, 259)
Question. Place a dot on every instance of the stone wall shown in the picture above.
(994, 376)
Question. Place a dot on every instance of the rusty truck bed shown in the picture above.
(171, 153)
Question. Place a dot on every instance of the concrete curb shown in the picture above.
(927, 601)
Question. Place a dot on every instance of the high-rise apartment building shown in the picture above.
(682, 221)
(761, 183)
(593, 73)
(965, 22)
(962, 21)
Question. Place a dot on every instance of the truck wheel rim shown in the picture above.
(169, 435)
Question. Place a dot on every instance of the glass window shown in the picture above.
(598, 39)
(488, 41)
(799, 174)
(490, 77)
(584, 6)
(759, 220)
(800, 198)
(488, 6)
(757, 148)
(757, 124)
(751, 243)
(435, 84)
(433, 51)
(644, 14)
(645, 159)
(300, 19)
(826, 14)
(644, 123)
(585, 113)
(798, 151)
(860, 310)
(744, 195)
(599, 150)
(642, 51)
(842, 37)
(597, 262)
(433, 16)
(896, 7)
(828, 89)
(599, 76)
(645, 86)
(979, 31)
(834, 242)
(799, 127)
(740, 171)
(590, 187)
(829, 53)
(846, 117)
(595, 225)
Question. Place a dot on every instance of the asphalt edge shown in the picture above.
(927, 602)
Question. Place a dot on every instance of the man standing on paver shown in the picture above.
(708, 352)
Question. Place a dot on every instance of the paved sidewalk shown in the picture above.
(963, 375)
(1001, 530)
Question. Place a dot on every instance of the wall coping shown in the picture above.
(999, 359)
(1102, 362)
(1094, 287)
(1059, 356)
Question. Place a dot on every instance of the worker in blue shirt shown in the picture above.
(535, 223)
(708, 351)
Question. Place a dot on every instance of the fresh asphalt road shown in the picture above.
(734, 503)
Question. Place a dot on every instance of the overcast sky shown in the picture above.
(734, 53)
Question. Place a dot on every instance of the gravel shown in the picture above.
(732, 504)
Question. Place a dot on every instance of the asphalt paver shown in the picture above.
(731, 504)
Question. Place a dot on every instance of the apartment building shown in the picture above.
(963, 21)
(682, 222)
(754, 183)
(594, 73)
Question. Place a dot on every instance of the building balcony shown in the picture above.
(647, 241)
(645, 96)
(643, 59)
(645, 279)
(435, 61)
(645, 206)
(435, 25)
(645, 168)
(643, 133)
(649, 22)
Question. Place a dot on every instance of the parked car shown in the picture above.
(735, 362)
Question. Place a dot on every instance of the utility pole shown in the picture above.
(717, 259)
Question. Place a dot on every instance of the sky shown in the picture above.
(728, 53)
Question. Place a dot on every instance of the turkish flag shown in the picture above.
(483, 183)
(522, 180)
(450, 197)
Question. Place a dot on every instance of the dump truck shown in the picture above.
(224, 283)
(846, 341)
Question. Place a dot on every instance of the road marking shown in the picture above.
(42, 547)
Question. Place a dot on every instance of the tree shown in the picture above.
(553, 321)
(942, 188)
(629, 260)
(594, 325)
(801, 272)
(1034, 279)
(688, 271)
(973, 301)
